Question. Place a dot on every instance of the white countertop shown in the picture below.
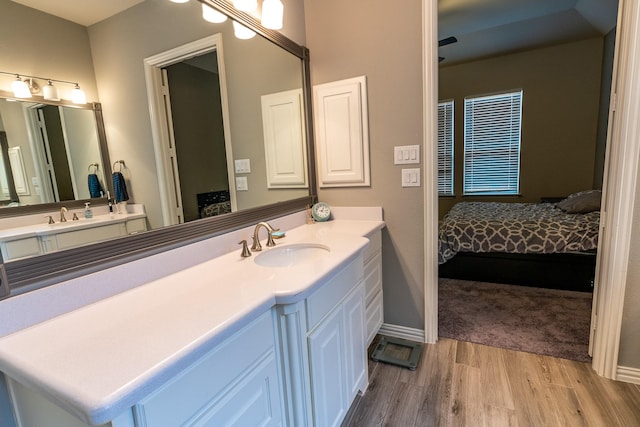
(44, 229)
(99, 360)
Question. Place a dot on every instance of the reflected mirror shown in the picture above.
(48, 153)
(263, 178)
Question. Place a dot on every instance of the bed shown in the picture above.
(535, 244)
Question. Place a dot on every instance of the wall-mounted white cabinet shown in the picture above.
(284, 139)
(342, 133)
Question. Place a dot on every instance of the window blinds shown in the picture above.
(445, 148)
(492, 132)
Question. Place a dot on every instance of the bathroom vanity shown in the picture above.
(272, 339)
(40, 237)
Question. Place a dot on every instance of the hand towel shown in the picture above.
(120, 187)
(95, 188)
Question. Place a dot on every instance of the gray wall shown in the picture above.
(561, 94)
(120, 44)
(383, 42)
(34, 43)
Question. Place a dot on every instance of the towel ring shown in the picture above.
(93, 165)
(122, 164)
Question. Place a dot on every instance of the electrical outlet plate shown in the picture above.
(411, 177)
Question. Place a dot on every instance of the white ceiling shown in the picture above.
(483, 27)
(83, 12)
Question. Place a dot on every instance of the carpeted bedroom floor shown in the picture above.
(543, 321)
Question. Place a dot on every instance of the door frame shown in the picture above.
(161, 130)
(619, 192)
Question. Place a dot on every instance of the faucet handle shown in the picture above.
(51, 221)
(245, 249)
(75, 217)
(270, 241)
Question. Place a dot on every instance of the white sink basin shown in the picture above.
(292, 255)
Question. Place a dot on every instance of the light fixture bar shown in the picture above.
(50, 92)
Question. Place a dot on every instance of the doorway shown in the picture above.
(620, 171)
(189, 116)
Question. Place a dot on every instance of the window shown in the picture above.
(492, 144)
(445, 148)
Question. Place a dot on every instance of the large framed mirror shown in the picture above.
(136, 141)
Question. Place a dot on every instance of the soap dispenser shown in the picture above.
(87, 211)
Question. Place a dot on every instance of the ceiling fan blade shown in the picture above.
(447, 41)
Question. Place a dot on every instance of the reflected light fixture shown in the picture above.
(209, 14)
(20, 89)
(29, 86)
(272, 14)
(242, 32)
(78, 96)
(179, 1)
(50, 92)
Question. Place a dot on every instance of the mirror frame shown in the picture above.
(24, 275)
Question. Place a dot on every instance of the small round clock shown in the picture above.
(321, 212)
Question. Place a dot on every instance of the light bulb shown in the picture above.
(209, 14)
(20, 89)
(272, 14)
(242, 32)
(246, 5)
(78, 96)
(179, 1)
(50, 92)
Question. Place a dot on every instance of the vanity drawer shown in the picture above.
(322, 301)
(136, 225)
(372, 278)
(374, 313)
(20, 248)
(374, 246)
(89, 235)
(220, 381)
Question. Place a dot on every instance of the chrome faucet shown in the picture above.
(62, 211)
(256, 239)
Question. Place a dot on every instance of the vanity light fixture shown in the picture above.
(27, 87)
(78, 96)
(242, 32)
(179, 1)
(272, 14)
(209, 14)
(20, 88)
(50, 92)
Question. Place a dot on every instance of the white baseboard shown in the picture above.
(403, 332)
(628, 375)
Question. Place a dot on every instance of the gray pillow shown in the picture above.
(582, 202)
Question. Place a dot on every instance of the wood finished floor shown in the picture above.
(464, 384)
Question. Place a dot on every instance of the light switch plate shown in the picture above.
(411, 177)
(242, 165)
(241, 183)
(406, 154)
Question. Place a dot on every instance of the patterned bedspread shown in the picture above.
(526, 228)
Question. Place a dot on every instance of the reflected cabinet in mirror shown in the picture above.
(209, 132)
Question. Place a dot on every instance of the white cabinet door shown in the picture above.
(337, 358)
(355, 347)
(327, 357)
(342, 133)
